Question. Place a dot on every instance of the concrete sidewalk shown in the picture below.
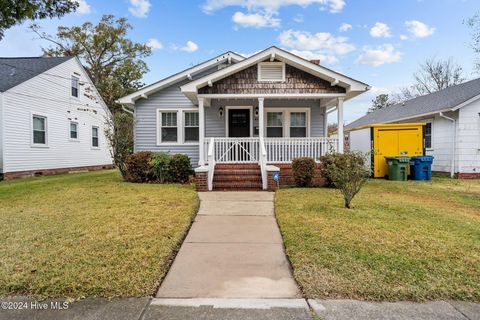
(233, 250)
(246, 309)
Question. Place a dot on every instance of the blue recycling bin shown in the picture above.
(421, 168)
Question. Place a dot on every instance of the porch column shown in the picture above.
(341, 137)
(261, 123)
(201, 132)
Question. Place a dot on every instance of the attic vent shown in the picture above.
(271, 71)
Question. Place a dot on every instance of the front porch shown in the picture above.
(262, 136)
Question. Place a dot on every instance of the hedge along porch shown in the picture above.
(253, 113)
(265, 111)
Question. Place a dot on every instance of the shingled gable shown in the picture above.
(351, 87)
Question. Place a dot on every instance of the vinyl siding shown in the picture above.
(442, 131)
(1, 133)
(469, 138)
(146, 122)
(49, 95)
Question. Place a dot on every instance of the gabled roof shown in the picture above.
(449, 99)
(180, 76)
(14, 71)
(354, 87)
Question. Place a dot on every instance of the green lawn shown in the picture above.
(401, 241)
(89, 234)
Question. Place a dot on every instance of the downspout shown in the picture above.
(127, 110)
(452, 165)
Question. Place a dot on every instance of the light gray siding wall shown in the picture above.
(50, 96)
(1, 133)
(146, 122)
(469, 138)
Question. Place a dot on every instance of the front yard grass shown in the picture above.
(89, 234)
(401, 241)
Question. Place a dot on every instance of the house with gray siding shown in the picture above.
(52, 119)
(452, 126)
(240, 119)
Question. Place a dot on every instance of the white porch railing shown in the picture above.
(284, 150)
(263, 151)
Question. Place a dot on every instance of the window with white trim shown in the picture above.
(427, 135)
(39, 128)
(73, 130)
(94, 136)
(298, 124)
(190, 126)
(271, 71)
(275, 124)
(74, 86)
(168, 126)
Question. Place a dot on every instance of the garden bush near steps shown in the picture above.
(303, 170)
(145, 166)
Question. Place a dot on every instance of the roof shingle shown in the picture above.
(442, 100)
(14, 71)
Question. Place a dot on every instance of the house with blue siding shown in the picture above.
(240, 119)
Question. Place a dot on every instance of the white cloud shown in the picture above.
(154, 43)
(322, 45)
(345, 27)
(270, 6)
(189, 47)
(83, 7)
(139, 8)
(419, 29)
(322, 41)
(255, 20)
(403, 37)
(380, 30)
(380, 55)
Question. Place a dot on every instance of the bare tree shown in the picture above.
(433, 75)
(474, 24)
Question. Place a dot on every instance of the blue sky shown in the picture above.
(380, 42)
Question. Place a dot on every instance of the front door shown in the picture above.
(239, 123)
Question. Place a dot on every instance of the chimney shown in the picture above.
(315, 61)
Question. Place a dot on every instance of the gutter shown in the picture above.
(127, 110)
(452, 164)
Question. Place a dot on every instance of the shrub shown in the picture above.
(303, 171)
(119, 135)
(138, 167)
(346, 172)
(160, 166)
(180, 168)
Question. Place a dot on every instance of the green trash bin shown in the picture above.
(398, 168)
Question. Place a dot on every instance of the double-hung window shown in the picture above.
(190, 126)
(74, 86)
(427, 134)
(39, 126)
(298, 124)
(274, 124)
(169, 129)
(73, 130)
(95, 137)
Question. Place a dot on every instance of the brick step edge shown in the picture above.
(236, 184)
(237, 166)
(237, 172)
(255, 178)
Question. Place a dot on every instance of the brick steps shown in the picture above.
(235, 177)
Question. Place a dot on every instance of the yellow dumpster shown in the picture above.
(387, 140)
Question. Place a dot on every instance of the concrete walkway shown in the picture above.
(233, 250)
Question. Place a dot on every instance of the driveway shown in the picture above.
(233, 250)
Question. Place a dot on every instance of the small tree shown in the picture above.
(346, 172)
(303, 171)
(381, 101)
(119, 134)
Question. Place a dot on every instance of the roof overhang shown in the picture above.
(143, 93)
(353, 87)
